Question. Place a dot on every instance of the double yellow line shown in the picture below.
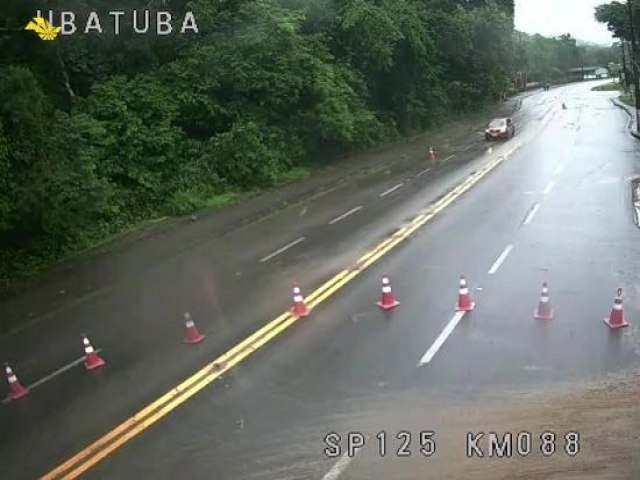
(133, 426)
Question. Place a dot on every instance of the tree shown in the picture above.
(616, 16)
(623, 20)
(99, 132)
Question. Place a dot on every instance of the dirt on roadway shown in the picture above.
(606, 416)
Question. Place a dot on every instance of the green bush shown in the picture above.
(97, 135)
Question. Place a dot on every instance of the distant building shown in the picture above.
(588, 73)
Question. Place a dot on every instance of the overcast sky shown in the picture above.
(555, 17)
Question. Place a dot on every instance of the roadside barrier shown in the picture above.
(300, 308)
(616, 318)
(388, 300)
(192, 335)
(16, 390)
(544, 310)
(465, 304)
(91, 359)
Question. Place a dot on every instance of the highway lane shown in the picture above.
(43, 299)
(267, 417)
(139, 369)
(137, 322)
(80, 279)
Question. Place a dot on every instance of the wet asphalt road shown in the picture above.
(132, 308)
(560, 206)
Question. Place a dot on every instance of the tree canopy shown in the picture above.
(549, 59)
(101, 131)
(616, 16)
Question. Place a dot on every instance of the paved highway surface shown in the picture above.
(553, 204)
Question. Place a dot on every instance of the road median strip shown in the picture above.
(133, 426)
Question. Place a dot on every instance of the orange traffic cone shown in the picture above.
(544, 310)
(616, 319)
(388, 298)
(91, 359)
(193, 335)
(465, 304)
(432, 155)
(300, 308)
(16, 390)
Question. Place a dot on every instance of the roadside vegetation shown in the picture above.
(625, 97)
(545, 59)
(99, 133)
(609, 87)
(617, 16)
(629, 99)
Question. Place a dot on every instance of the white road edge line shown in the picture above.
(283, 249)
(448, 158)
(549, 187)
(345, 215)
(532, 213)
(392, 189)
(341, 465)
(433, 349)
(503, 256)
(52, 375)
(424, 171)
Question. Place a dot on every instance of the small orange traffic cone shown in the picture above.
(16, 390)
(388, 298)
(193, 335)
(432, 155)
(616, 319)
(544, 310)
(300, 308)
(91, 359)
(465, 304)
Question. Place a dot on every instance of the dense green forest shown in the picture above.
(99, 132)
(548, 59)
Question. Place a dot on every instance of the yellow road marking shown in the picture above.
(149, 415)
(118, 442)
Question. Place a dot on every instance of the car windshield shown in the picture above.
(498, 123)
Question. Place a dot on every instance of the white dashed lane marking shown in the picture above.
(532, 213)
(345, 215)
(391, 190)
(549, 187)
(433, 349)
(283, 249)
(503, 256)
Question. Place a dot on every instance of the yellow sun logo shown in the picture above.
(44, 29)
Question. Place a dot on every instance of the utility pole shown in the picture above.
(623, 71)
(634, 63)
